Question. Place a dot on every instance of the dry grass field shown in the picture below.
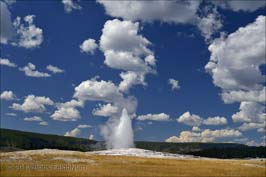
(83, 164)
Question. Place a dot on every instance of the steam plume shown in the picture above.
(123, 135)
(118, 132)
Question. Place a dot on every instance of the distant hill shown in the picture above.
(214, 150)
(12, 140)
(15, 140)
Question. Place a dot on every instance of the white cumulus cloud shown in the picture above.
(73, 133)
(240, 5)
(54, 69)
(173, 12)
(215, 121)
(154, 117)
(33, 103)
(206, 135)
(235, 59)
(7, 62)
(29, 35)
(190, 119)
(30, 70)
(70, 5)
(106, 110)
(251, 126)
(105, 91)
(235, 67)
(7, 95)
(88, 46)
(174, 84)
(43, 123)
(67, 111)
(125, 49)
(250, 112)
(148, 11)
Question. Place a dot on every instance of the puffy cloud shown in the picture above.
(123, 46)
(150, 60)
(54, 69)
(196, 129)
(223, 133)
(76, 131)
(6, 62)
(250, 112)
(235, 59)
(105, 91)
(253, 115)
(73, 133)
(84, 126)
(70, 5)
(239, 5)
(22, 32)
(174, 84)
(66, 114)
(34, 119)
(30, 70)
(97, 90)
(6, 27)
(148, 11)
(172, 139)
(209, 24)
(106, 110)
(185, 136)
(43, 123)
(126, 50)
(67, 111)
(33, 104)
(7, 95)
(29, 36)
(88, 46)
(125, 61)
(215, 121)
(154, 117)
(235, 67)
(131, 78)
(242, 96)
(251, 126)
(174, 12)
(204, 136)
(190, 119)
(195, 120)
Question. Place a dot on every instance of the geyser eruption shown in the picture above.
(123, 136)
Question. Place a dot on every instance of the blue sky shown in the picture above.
(180, 45)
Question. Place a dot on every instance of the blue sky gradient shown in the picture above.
(180, 50)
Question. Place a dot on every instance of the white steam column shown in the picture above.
(123, 135)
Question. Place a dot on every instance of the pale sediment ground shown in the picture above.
(122, 162)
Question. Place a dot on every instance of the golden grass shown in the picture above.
(98, 165)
